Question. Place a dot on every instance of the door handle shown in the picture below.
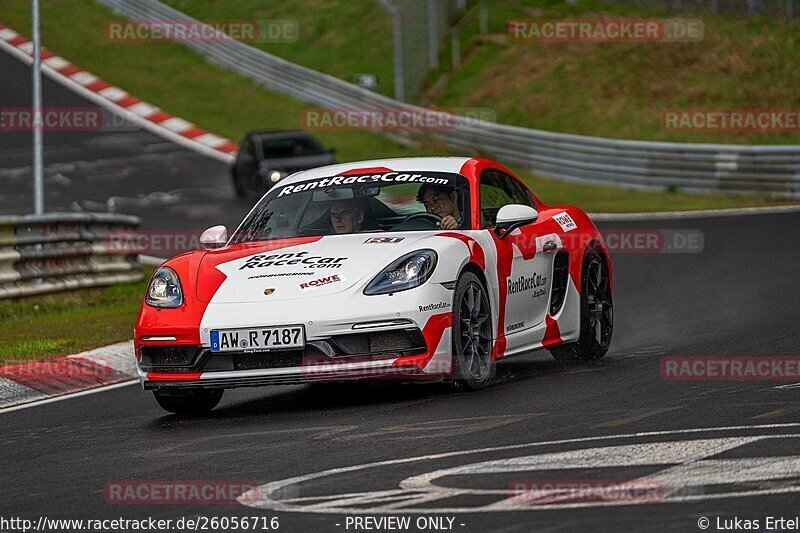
(550, 246)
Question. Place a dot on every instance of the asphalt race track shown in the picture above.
(727, 300)
(723, 449)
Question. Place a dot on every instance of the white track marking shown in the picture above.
(115, 94)
(119, 356)
(84, 78)
(56, 62)
(652, 453)
(6, 34)
(143, 109)
(788, 386)
(685, 452)
(177, 124)
(69, 396)
(209, 139)
(13, 393)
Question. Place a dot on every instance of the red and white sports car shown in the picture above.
(420, 268)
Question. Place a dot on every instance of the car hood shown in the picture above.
(301, 268)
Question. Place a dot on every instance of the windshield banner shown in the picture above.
(387, 178)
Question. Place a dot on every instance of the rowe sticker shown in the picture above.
(321, 282)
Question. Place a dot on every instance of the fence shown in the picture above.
(55, 252)
(774, 170)
(418, 27)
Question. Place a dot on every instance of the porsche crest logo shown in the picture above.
(267, 292)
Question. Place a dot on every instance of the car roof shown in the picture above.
(400, 164)
(280, 134)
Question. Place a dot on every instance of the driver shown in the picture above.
(347, 216)
(442, 201)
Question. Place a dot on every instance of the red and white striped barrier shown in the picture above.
(117, 100)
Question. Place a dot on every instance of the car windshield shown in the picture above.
(364, 203)
(291, 147)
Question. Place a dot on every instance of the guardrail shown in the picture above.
(774, 170)
(56, 252)
(751, 8)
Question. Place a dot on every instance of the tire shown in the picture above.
(238, 186)
(472, 334)
(190, 401)
(597, 314)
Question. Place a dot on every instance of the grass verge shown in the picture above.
(621, 90)
(617, 90)
(40, 327)
(342, 38)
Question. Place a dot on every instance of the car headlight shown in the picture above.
(411, 270)
(275, 176)
(164, 289)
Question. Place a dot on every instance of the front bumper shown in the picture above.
(281, 376)
(336, 348)
(406, 353)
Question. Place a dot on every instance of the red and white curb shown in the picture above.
(118, 101)
(38, 380)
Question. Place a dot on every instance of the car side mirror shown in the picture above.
(513, 216)
(214, 237)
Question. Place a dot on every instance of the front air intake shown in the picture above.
(560, 278)
(168, 356)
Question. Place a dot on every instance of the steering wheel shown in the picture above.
(433, 217)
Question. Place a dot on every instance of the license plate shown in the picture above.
(258, 339)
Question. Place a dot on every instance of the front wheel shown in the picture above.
(188, 401)
(472, 334)
(597, 314)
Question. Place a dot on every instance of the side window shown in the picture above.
(521, 194)
(498, 189)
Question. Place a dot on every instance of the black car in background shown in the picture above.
(266, 157)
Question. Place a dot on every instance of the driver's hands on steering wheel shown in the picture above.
(447, 222)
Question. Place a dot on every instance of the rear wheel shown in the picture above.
(597, 314)
(472, 334)
(188, 401)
